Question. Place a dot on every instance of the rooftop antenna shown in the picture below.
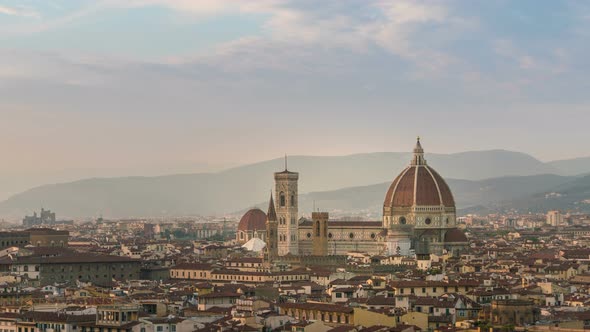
(313, 205)
(285, 161)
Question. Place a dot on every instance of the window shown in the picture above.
(338, 295)
(282, 199)
(402, 220)
(428, 221)
(160, 329)
(292, 200)
(351, 235)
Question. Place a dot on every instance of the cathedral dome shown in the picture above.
(419, 185)
(253, 220)
(455, 235)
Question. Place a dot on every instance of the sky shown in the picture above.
(146, 87)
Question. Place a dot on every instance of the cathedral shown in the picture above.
(419, 218)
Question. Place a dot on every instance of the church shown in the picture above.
(419, 218)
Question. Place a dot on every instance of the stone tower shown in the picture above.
(271, 231)
(287, 211)
(320, 233)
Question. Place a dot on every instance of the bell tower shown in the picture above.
(287, 211)
(271, 231)
(320, 233)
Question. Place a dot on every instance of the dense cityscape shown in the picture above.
(421, 268)
(294, 165)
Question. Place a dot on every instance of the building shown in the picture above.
(114, 318)
(419, 211)
(287, 210)
(100, 270)
(46, 218)
(514, 312)
(554, 218)
(251, 225)
(39, 237)
(47, 237)
(419, 216)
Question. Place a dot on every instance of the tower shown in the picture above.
(287, 211)
(271, 231)
(320, 233)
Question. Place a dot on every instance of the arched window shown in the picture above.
(292, 200)
(317, 228)
(282, 199)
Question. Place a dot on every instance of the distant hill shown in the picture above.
(571, 166)
(470, 196)
(240, 187)
(573, 195)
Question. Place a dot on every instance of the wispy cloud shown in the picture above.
(19, 11)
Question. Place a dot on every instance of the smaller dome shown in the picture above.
(455, 235)
(253, 220)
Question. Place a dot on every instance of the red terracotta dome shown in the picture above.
(419, 185)
(455, 235)
(253, 220)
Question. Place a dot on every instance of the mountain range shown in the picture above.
(488, 179)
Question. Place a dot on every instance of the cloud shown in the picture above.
(19, 11)
(297, 33)
(552, 61)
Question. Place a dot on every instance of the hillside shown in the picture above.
(573, 195)
(571, 166)
(472, 196)
(237, 188)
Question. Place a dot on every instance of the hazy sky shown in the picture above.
(124, 87)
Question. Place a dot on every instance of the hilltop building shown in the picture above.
(46, 218)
